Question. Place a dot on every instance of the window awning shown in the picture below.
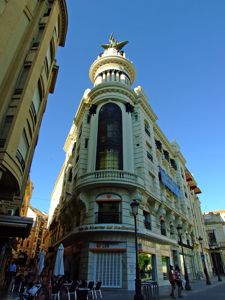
(14, 226)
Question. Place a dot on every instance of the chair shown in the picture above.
(97, 288)
(55, 294)
(17, 283)
(71, 290)
(91, 289)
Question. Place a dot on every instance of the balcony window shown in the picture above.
(149, 156)
(158, 145)
(147, 128)
(108, 212)
(173, 164)
(163, 227)
(109, 145)
(211, 237)
(147, 220)
(22, 150)
(166, 155)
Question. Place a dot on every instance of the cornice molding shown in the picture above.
(64, 22)
(116, 88)
(120, 60)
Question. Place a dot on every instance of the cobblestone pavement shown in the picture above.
(199, 291)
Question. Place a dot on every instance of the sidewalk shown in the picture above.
(121, 294)
(164, 291)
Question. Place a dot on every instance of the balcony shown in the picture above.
(109, 177)
(108, 217)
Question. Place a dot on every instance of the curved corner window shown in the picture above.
(109, 143)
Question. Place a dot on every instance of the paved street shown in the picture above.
(200, 291)
(216, 292)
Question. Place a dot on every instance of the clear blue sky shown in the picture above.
(178, 48)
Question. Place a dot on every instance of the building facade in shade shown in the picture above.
(215, 228)
(30, 33)
(116, 152)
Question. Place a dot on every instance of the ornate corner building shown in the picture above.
(30, 33)
(115, 152)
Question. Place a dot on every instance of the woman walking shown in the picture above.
(178, 281)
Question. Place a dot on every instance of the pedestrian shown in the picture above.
(172, 281)
(12, 270)
(178, 281)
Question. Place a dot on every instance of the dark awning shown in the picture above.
(14, 226)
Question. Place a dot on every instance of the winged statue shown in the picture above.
(113, 43)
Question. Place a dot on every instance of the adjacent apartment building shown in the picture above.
(215, 228)
(115, 153)
(30, 33)
(35, 242)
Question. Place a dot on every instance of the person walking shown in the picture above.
(172, 281)
(12, 272)
(178, 281)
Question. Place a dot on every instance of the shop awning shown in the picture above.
(14, 226)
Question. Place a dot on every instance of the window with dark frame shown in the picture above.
(109, 142)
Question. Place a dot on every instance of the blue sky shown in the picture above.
(178, 49)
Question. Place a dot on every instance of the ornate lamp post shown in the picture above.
(187, 284)
(203, 262)
(216, 264)
(138, 296)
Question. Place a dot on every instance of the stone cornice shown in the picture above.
(112, 87)
(64, 22)
(120, 60)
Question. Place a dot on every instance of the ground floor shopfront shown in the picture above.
(109, 257)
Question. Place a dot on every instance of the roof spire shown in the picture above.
(113, 43)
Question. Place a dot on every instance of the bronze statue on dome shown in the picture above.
(113, 43)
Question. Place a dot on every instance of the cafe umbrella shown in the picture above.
(41, 261)
(59, 263)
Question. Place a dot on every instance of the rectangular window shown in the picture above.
(147, 128)
(149, 156)
(23, 145)
(21, 80)
(5, 130)
(165, 267)
(38, 37)
(146, 266)
(37, 99)
(108, 212)
(86, 143)
(147, 220)
(49, 58)
(163, 227)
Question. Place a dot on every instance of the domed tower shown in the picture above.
(112, 103)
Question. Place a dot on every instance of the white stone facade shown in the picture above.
(215, 228)
(115, 153)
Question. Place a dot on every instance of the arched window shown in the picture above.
(109, 144)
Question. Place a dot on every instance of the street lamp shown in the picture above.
(187, 283)
(138, 296)
(216, 264)
(203, 262)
